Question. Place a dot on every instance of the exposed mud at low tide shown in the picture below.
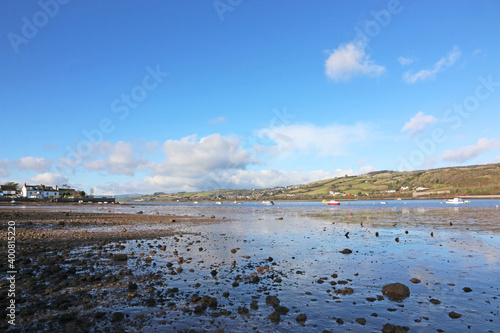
(254, 272)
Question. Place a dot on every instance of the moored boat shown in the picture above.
(333, 203)
(267, 202)
(455, 201)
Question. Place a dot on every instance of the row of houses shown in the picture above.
(35, 191)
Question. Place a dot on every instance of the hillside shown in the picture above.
(435, 183)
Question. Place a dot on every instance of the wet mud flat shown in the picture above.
(256, 270)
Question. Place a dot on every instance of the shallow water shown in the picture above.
(463, 251)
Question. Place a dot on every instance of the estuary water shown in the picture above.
(294, 251)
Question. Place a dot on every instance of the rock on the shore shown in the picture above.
(396, 291)
(273, 301)
(120, 257)
(275, 317)
(390, 328)
(301, 318)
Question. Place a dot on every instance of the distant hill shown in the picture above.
(474, 180)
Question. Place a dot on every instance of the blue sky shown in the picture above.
(146, 96)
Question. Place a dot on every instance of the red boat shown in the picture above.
(333, 203)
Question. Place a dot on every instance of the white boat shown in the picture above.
(383, 202)
(333, 203)
(218, 202)
(267, 202)
(454, 201)
(195, 202)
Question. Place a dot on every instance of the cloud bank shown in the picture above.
(350, 60)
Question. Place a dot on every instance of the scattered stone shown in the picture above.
(275, 317)
(361, 321)
(346, 251)
(340, 321)
(282, 309)
(345, 291)
(233, 250)
(242, 310)
(467, 289)
(397, 239)
(117, 316)
(390, 328)
(279, 218)
(435, 301)
(120, 257)
(254, 305)
(396, 291)
(140, 212)
(415, 280)
(454, 315)
(273, 301)
(212, 216)
(301, 318)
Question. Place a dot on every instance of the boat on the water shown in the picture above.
(383, 202)
(268, 203)
(455, 201)
(333, 203)
(218, 202)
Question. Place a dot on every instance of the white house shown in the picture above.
(421, 188)
(7, 190)
(39, 191)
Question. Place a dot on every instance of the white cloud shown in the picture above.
(331, 140)
(418, 123)
(217, 120)
(238, 178)
(48, 178)
(464, 154)
(426, 74)
(38, 164)
(496, 159)
(476, 52)
(404, 61)
(192, 157)
(349, 60)
(120, 159)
